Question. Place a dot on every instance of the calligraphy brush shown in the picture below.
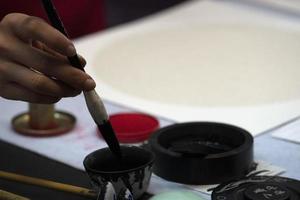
(46, 183)
(93, 101)
(4, 195)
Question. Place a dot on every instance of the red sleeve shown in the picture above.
(80, 17)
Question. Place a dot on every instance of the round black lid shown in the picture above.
(202, 152)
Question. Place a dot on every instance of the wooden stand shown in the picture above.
(43, 120)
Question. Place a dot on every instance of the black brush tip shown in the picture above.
(109, 136)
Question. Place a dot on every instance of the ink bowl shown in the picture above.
(133, 171)
(202, 152)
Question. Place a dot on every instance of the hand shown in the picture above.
(33, 63)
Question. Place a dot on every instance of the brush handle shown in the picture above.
(57, 23)
(93, 101)
(44, 183)
(95, 107)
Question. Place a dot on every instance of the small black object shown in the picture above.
(202, 152)
(259, 188)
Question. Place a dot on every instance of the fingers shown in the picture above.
(29, 28)
(15, 91)
(53, 67)
(37, 82)
(44, 48)
(82, 60)
(46, 55)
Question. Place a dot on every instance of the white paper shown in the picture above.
(289, 132)
(254, 118)
(72, 147)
